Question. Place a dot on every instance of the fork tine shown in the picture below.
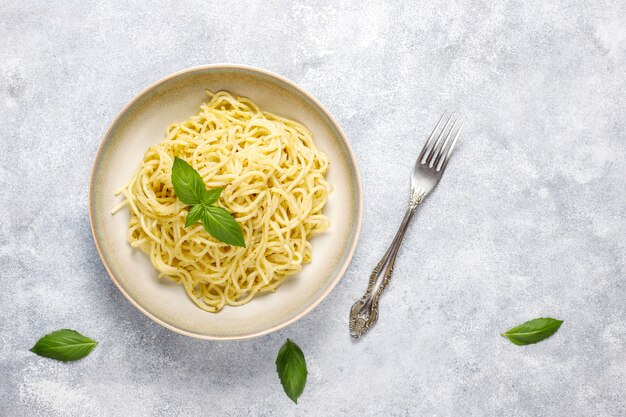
(447, 158)
(441, 152)
(430, 140)
(433, 152)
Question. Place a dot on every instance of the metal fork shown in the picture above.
(429, 167)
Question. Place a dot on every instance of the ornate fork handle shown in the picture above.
(364, 313)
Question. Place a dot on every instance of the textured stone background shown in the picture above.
(528, 221)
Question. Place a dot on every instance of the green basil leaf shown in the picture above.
(291, 368)
(533, 331)
(194, 215)
(221, 225)
(211, 196)
(190, 189)
(187, 182)
(64, 345)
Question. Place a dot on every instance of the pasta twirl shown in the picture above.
(274, 185)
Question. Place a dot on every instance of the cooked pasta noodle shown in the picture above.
(274, 186)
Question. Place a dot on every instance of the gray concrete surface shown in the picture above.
(529, 220)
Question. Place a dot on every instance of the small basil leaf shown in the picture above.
(187, 182)
(291, 368)
(194, 215)
(533, 331)
(211, 196)
(64, 345)
(221, 225)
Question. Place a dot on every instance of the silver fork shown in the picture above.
(429, 167)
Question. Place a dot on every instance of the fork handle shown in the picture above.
(364, 313)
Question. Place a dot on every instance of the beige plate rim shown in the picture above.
(326, 113)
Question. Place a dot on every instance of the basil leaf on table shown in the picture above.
(187, 182)
(221, 225)
(291, 368)
(64, 345)
(533, 331)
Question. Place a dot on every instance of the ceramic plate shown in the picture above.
(142, 123)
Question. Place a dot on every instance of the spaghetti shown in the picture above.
(274, 186)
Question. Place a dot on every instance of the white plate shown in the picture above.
(142, 123)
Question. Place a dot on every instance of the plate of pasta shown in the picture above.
(225, 202)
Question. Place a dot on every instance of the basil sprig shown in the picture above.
(291, 368)
(217, 221)
(533, 331)
(64, 345)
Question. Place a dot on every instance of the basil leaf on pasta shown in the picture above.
(194, 215)
(190, 189)
(187, 182)
(291, 368)
(221, 225)
(211, 196)
(64, 345)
